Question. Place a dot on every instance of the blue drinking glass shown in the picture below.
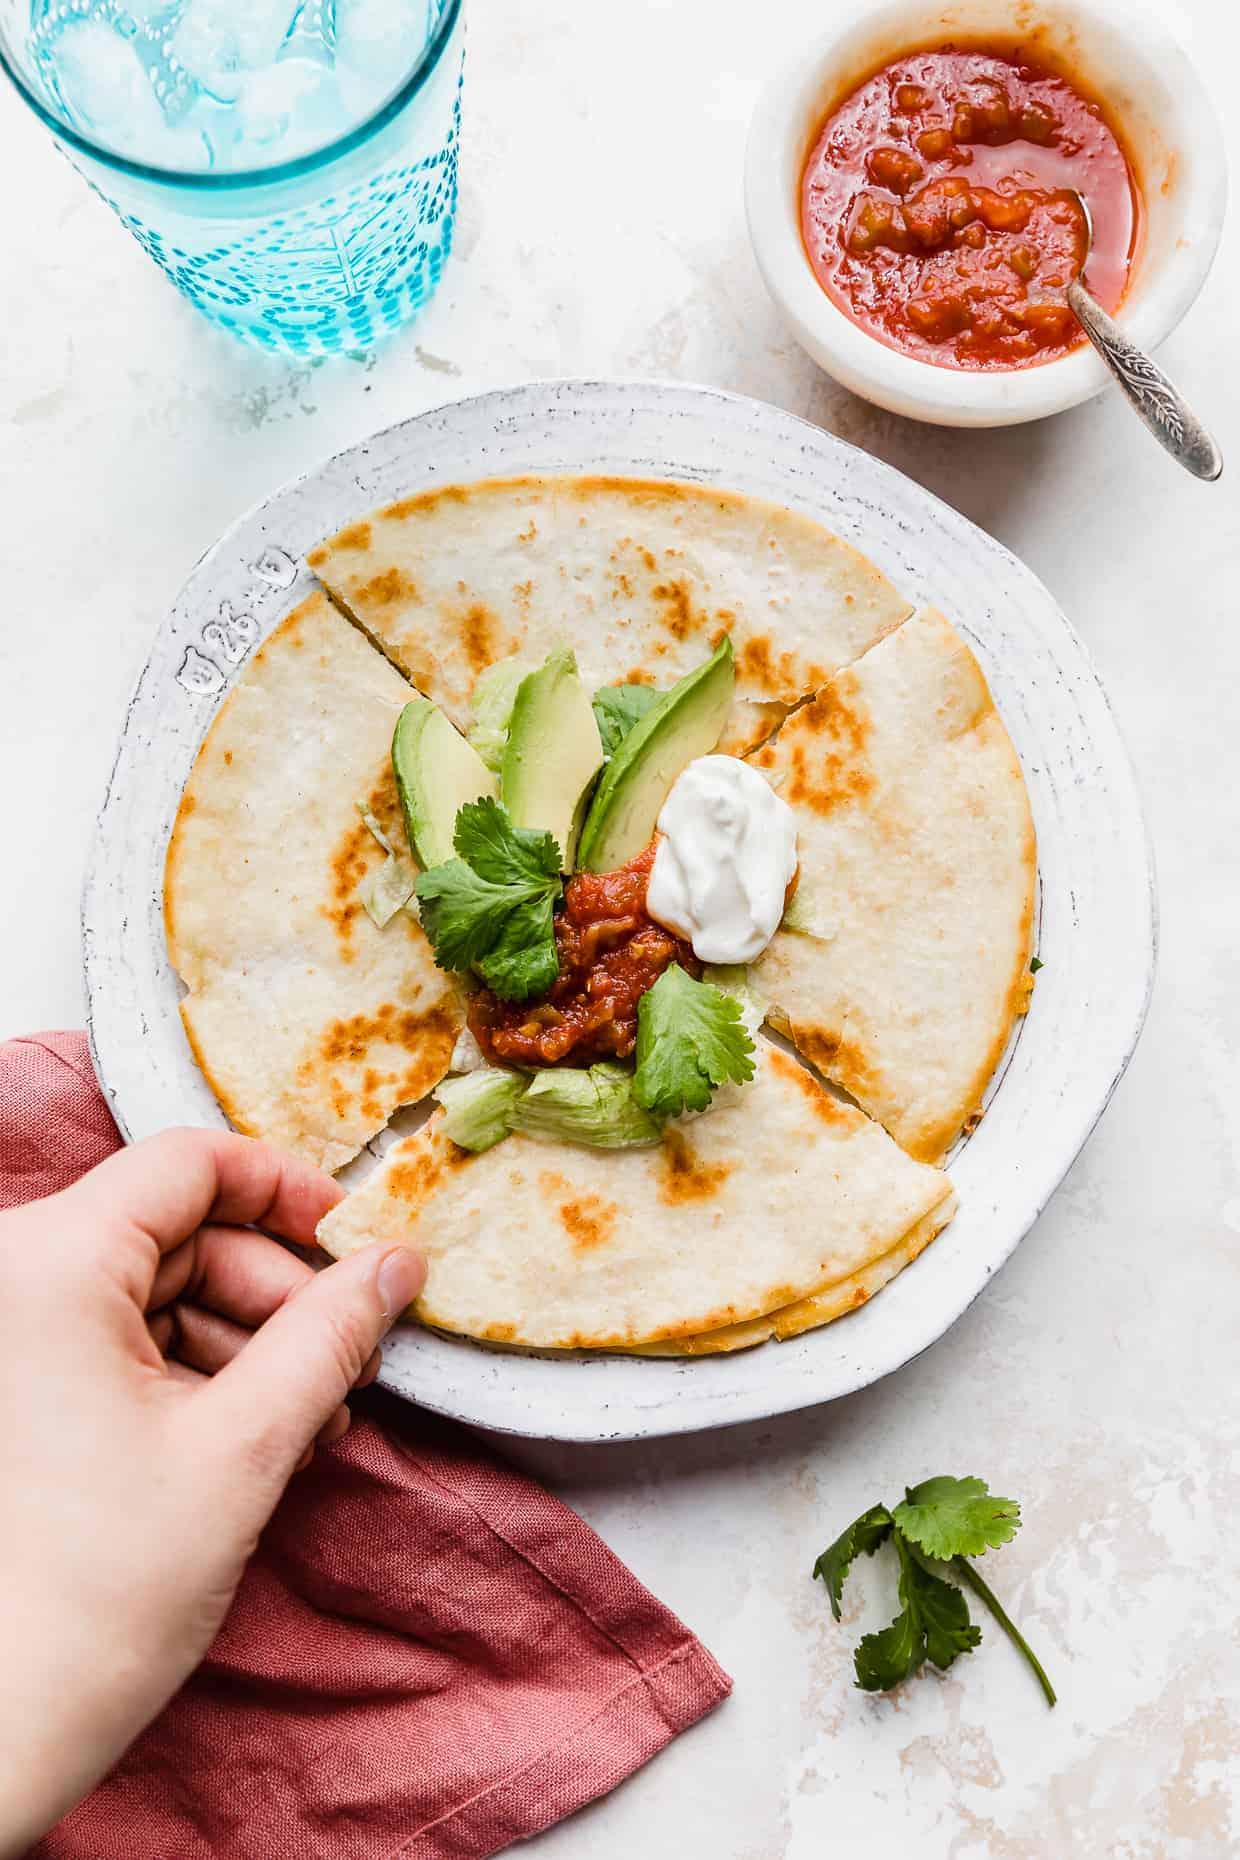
(325, 252)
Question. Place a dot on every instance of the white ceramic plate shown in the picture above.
(1097, 898)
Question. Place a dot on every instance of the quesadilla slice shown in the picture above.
(311, 1023)
(823, 1307)
(641, 579)
(904, 957)
(780, 1191)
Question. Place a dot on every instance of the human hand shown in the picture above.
(164, 1369)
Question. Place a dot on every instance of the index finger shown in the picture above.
(164, 1188)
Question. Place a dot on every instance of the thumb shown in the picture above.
(266, 1406)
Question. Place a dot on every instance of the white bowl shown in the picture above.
(1126, 58)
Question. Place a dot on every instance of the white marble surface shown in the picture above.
(601, 232)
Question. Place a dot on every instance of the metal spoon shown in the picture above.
(1147, 389)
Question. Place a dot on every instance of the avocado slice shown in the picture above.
(684, 724)
(436, 773)
(553, 753)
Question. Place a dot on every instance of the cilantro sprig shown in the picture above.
(942, 1521)
(690, 1038)
(492, 908)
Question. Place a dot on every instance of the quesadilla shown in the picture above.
(642, 579)
(780, 1192)
(823, 1307)
(904, 957)
(311, 1024)
(599, 1175)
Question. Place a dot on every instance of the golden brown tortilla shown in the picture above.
(310, 1024)
(915, 895)
(778, 1191)
(641, 579)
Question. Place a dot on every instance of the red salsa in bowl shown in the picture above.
(936, 214)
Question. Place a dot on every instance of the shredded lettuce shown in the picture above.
(478, 1108)
(370, 821)
(802, 917)
(388, 889)
(467, 1055)
(733, 979)
(595, 1107)
(618, 709)
(494, 696)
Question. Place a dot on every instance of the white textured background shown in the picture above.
(601, 231)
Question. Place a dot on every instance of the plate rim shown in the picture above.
(547, 392)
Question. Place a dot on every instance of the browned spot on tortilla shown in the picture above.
(414, 1179)
(551, 1183)
(478, 637)
(228, 758)
(528, 535)
(353, 1038)
(834, 1056)
(358, 850)
(685, 1176)
(828, 1109)
(755, 662)
(779, 675)
(589, 1221)
(523, 593)
(824, 747)
(360, 1041)
(678, 616)
(638, 676)
(356, 536)
(426, 501)
(386, 588)
(498, 1333)
(649, 560)
(317, 557)
(188, 803)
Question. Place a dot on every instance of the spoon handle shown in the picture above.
(1150, 394)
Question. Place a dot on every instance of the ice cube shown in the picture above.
(381, 38)
(106, 81)
(218, 39)
(283, 112)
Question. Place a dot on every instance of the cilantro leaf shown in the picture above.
(523, 960)
(947, 1520)
(462, 914)
(1035, 963)
(956, 1517)
(933, 1624)
(485, 838)
(617, 708)
(862, 1537)
(690, 1038)
(493, 907)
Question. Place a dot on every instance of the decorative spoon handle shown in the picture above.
(1164, 410)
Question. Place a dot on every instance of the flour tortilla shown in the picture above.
(779, 1190)
(640, 578)
(916, 887)
(823, 1307)
(310, 1024)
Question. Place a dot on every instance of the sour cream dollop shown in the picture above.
(722, 869)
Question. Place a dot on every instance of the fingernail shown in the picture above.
(401, 1276)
